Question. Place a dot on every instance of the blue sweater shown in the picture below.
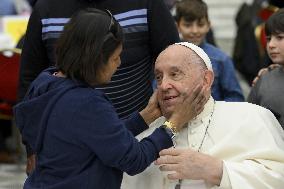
(226, 86)
(78, 138)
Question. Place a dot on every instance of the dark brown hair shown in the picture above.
(191, 10)
(275, 23)
(87, 42)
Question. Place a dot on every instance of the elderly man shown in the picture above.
(228, 145)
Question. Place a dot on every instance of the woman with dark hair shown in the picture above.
(82, 61)
(148, 29)
(77, 136)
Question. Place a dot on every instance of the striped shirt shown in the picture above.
(148, 29)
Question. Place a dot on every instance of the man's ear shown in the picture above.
(208, 78)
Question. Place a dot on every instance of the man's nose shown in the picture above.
(165, 84)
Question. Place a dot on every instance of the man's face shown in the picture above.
(175, 75)
(195, 31)
(275, 48)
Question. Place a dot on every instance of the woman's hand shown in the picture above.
(152, 111)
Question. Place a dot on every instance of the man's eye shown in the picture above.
(176, 76)
(158, 77)
(268, 38)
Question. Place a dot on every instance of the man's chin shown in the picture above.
(167, 113)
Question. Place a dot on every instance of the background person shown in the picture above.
(249, 52)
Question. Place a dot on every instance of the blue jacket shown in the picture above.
(226, 86)
(78, 138)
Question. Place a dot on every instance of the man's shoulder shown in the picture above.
(239, 108)
(56, 9)
(237, 104)
(243, 114)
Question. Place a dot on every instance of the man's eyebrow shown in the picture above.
(175, 68)
(156, 70)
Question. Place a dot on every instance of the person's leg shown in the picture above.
(5, 131)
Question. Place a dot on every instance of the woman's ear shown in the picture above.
(208, 78)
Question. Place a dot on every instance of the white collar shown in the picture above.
(207, 111)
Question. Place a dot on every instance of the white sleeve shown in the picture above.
(251, 174)
(261, 165)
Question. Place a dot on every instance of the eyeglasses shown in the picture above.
(111, 19)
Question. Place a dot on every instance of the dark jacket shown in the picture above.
(78, 138)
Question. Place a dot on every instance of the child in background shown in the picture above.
(268, 90)
(193, 25)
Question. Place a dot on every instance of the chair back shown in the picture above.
(9, 76)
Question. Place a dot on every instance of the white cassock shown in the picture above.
(247, 137)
